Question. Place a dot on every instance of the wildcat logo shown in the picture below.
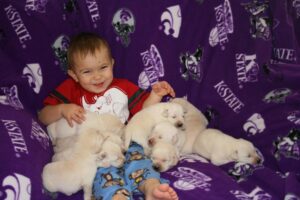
(171, 20)
(16, 187)
(296, 5)
(36, 6)
(289, 146)
(256, 193)
(255, 124)
(241, 171)
(260, 22)
(40, 135)
(247, 68)
(191, 65)
(33, 73)
(294, 117)
(224, 18)
(60, 47)
(190, 179)
(124, 25)
(11, 97)
(277, 96)
(153, 67)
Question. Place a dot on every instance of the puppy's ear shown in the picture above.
(165, 113)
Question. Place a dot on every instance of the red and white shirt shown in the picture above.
(122, 98)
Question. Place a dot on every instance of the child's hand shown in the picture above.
(163, 88)
(73, 112)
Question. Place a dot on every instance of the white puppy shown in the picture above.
(102, 122)
(167, 132)
(195, 123)
(221, 148)
(76, 173)
(164, 156)
(112, 152)
(139, 127)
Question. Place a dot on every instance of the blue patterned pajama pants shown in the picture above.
(126, 180)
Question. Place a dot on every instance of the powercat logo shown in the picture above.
(33, 73)
(171, 20)
(190, 179)
(153, 67)
(16, 187)
(259, 19)
(219, 34)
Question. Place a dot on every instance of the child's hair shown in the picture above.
(85, 43)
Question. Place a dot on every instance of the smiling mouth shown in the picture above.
(99, 84)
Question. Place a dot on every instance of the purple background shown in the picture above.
(230, 58)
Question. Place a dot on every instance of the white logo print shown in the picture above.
(33, 73)
(153, 67)
(189, 179)
(219, 34)
(247, 68)
(11, 97)
(113, 101)
(257, 193)
(39, 134)
(171, 20)
(255, 124)
(36, 5)
(17, 187)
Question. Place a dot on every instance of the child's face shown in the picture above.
(93, 72)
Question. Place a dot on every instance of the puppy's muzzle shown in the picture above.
(180, 125)
(151, 142)
(157, 167)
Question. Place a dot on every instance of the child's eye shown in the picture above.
(86, 72)
(104, 67)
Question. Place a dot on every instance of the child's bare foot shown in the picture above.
(153, 190)
(162, 192)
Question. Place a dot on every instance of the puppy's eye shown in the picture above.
(160, 137)
(174, 116)
(164, 160)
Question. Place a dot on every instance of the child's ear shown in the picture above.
(72, 74)
(112, 62)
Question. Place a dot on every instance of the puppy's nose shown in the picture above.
(156, 167)
(258, 160)
(179, 124)
(151, 142)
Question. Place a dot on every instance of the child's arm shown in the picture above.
(52, 113)
(159, 90)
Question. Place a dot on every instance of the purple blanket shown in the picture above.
(237, 61)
